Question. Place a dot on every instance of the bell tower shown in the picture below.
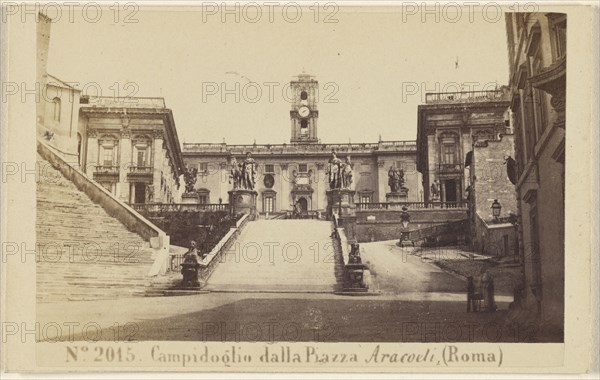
(304, 114)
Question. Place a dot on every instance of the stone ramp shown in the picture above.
(279, 256)
(82, 252)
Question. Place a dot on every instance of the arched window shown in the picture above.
(303, 127)
(56, 109)
(303, 95)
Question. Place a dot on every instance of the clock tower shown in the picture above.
(304, 114)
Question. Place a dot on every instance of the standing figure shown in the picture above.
(435, 189)
(249, 172)
(394, 180)
(234, 173)
(333, 171)
(347, 173)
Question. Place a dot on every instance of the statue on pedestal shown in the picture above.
(396, 178)
(334, 172)
(346, 173)
(249, 169)
(235, 173)
(243, 174)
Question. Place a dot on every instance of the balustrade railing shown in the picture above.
(123, 102)
(140, 169)
(411, 205)
(157, 208)
(465, 97)
(107, 169)
(450, 168)
(299, 148)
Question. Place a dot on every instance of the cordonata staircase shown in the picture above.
(280, 255)
(82, 252)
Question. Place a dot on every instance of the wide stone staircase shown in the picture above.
(280, 255)
(82, 252)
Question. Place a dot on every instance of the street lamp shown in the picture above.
(496, 207)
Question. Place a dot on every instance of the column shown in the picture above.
(224, 185)
(92, 153)
(284, 198)
(157, 164)
(320, 185)
(381, 181)
(125, 163)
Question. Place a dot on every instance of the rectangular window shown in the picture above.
(141, 157)
(449, 152)
(269, 169)
(107, 158)
(203, 199)
(203, 167)
(303, 168)
(269, 204)
(56, 111)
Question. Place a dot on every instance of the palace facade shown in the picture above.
(537, 51)
(294, 174)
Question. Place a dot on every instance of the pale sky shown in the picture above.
(372, 62)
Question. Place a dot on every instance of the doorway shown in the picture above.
(450, 190)
(302, 205)
(139, 193)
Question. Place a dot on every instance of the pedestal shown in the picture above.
(242, 201)
(397, 196)
(189, 198)
(340, 202)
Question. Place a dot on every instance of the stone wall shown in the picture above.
(377, 225)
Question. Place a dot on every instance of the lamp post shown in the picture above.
(496, 208)
(405, 220)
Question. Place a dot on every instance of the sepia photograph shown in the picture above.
(228, 186)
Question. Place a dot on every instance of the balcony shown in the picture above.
(106, 173)
(449, 168)
(140, 174)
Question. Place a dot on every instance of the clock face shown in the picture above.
(303, 111)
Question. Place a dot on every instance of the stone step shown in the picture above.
(66, 215)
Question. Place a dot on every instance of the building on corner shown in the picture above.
(538, 59)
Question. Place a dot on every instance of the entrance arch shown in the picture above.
(302, 205)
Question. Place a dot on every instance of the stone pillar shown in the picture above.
(125, 162)
(92, 153)
(381, 181)
(285, 188)
(157, 164)
(320, 184)
(223, 181)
